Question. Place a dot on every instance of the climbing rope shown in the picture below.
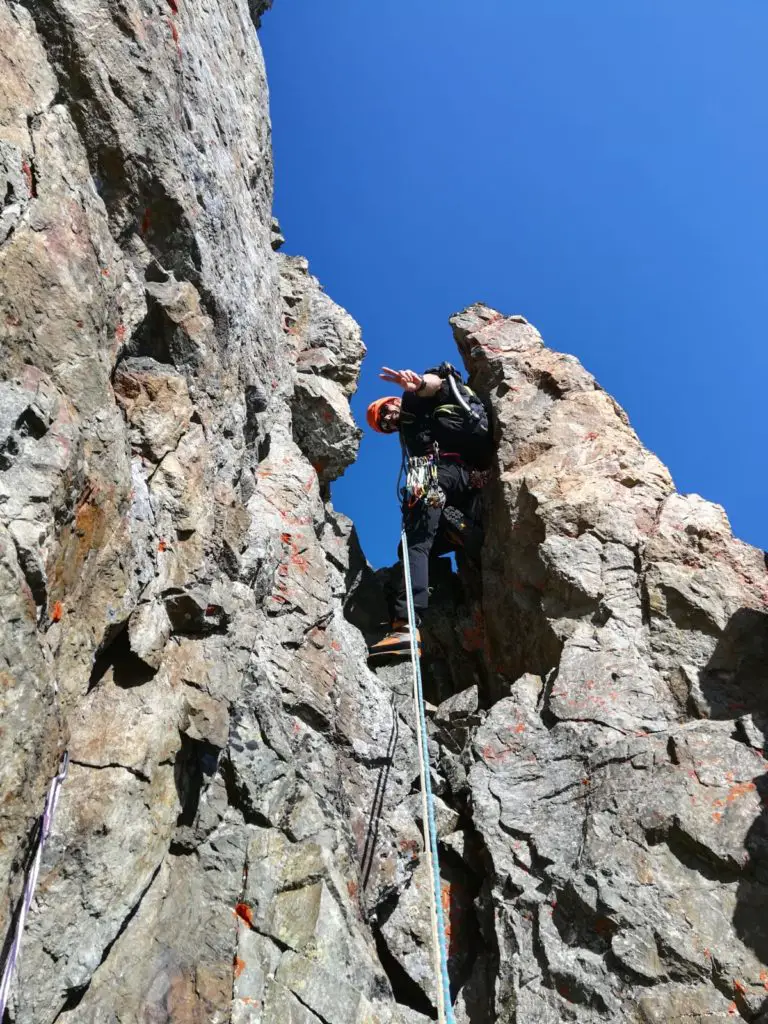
(444, 1008)
(11, 949)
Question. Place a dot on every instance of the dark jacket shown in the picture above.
(424, 421)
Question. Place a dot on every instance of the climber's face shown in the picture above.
(390, 416)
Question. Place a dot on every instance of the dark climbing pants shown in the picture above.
(424, 533)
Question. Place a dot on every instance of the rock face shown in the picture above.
(239, 836)
(172, 573)
(617, 777)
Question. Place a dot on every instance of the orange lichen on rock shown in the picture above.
(26, 170)
(245, 913)
(740, 789)
(300, 562)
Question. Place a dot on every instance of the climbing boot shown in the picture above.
(462, 531)
(396, 644)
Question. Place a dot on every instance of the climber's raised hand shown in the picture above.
(406, 379)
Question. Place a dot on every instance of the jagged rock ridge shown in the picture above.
(617, 777)
(239, 835)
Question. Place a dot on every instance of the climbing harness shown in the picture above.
(11, 951)
(444, 1007)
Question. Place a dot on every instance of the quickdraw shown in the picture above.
(422, 482)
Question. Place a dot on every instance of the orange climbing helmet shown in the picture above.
(375, 409)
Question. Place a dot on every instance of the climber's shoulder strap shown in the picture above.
(476, 406)
(457, 400)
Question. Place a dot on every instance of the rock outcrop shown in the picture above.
(173, 576)
(618, 776)
(239, 835)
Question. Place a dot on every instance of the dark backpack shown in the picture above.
(462, 416)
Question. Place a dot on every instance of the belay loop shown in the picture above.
(422, 482)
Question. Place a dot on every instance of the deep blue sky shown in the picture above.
(599, 167)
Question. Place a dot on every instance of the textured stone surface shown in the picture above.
(327, 348)
(172, 574)
(616, 778)
(183, 610)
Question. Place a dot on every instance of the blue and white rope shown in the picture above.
(44, 827)
(444, 1007)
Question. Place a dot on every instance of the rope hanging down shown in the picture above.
(444, 1007)
(11, 951)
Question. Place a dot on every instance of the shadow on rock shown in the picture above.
(374, 818)
(734, 682)
(734, 685)
(451, 631)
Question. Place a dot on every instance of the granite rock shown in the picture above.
(184, 611)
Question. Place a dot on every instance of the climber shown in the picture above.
(446, 439)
